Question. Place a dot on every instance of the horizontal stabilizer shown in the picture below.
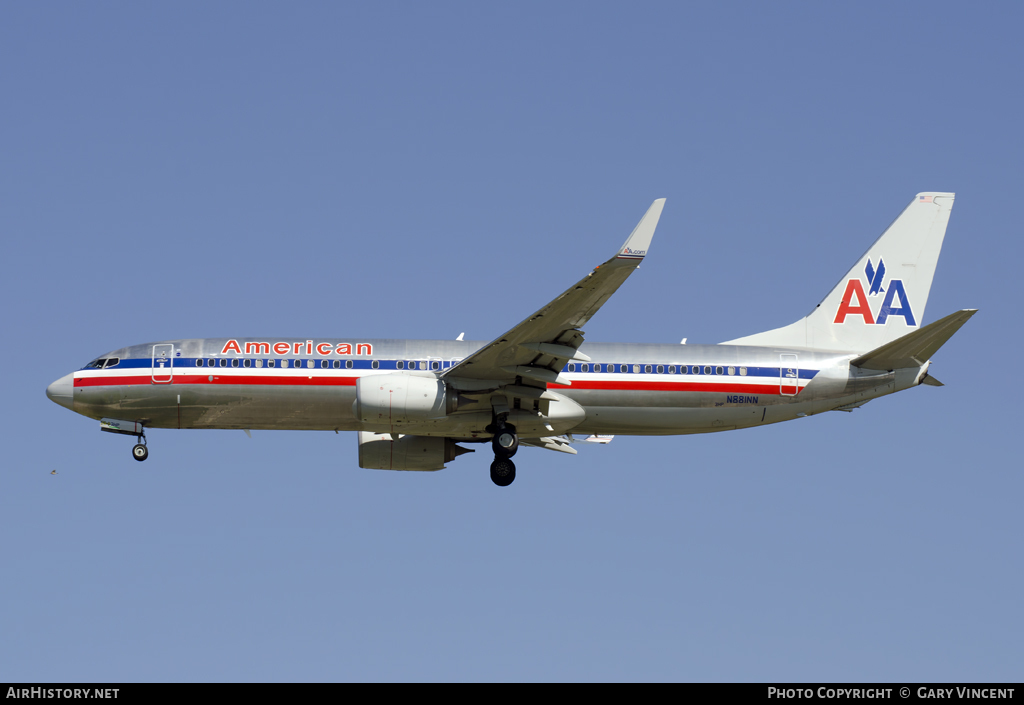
(931, 381)
(914, 349)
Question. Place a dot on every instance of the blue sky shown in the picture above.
(408, 170)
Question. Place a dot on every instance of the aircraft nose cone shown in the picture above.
(63, 391)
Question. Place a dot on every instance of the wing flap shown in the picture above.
(550, 443)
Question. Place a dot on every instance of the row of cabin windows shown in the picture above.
(659, 369)
(309, 364)
(436, 365)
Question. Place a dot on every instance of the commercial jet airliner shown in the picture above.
(413, 401)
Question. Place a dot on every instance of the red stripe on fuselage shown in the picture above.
(332, 381)
(729, 388)
(219, 379)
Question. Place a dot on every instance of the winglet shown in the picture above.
(639, 241)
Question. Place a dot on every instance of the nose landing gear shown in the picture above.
(140, 452)
(129, 428)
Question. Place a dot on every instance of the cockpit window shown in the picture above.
(97, 364)
(112, 361)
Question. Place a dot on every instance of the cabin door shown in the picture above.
(789, 375)
(163, 363)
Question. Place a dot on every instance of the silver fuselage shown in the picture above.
(288, 383)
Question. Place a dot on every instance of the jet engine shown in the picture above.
(377, 451)
(389, 399)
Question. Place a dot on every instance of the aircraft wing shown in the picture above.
(538, 348)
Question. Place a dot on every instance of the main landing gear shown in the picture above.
(505, 445)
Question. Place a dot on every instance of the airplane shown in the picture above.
(412, 402)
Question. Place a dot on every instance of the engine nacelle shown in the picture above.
(390, 399)
(377, 451)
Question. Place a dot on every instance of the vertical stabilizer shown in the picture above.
(884, 294)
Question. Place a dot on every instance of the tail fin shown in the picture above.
(884, 294)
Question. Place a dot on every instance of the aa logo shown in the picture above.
(875, 276)
(856, 303)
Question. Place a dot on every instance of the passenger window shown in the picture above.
(400, 365)
(348, 364)
(259, 363)
(325, 364)
(199, 362)
(423, 365)
(661, 369)
(718, 370)
(375, 365)
(732, 370)
(636, 369)
(707, 370)
(247, 363)
(284, 363)
(671, 369)
(337, 364)
(572, 366)
(310, 364)
(743, 372)
(695, 370)
(647, 369)
(435, 365)
(223, 362)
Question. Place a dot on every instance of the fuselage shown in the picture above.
(639, 389)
